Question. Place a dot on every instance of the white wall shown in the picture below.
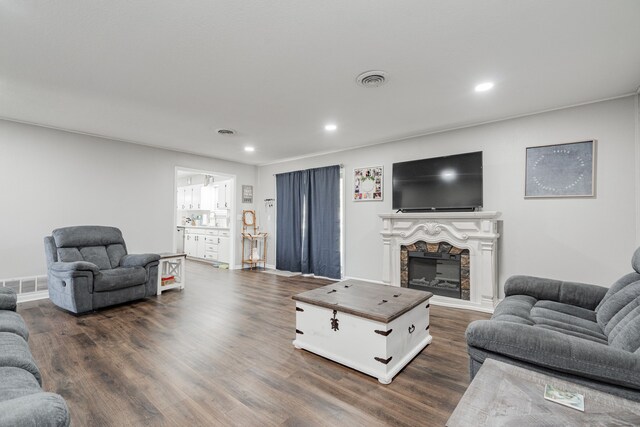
(52, 179)
(589, 240)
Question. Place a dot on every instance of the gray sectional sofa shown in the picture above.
(584, 333)
(22, 400)
(89, 268)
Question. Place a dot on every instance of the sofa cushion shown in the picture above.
(635, 261)
(619, 284)
(572, 310)
(516, 309)
(96, 255)
(10, 321)
(545, 316)
(15, 353)
(69, 255)
(86, 235)
(116, 252)
(16, 382)
(613, 309)
(626, 334)
(119, 278)
(587, 335)
(8, 299)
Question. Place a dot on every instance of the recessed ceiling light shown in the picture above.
(249, 149)
(330, 127)
(483, 87)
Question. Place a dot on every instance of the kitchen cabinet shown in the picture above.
(184, 198)
(207, 198)
(224, 249)
(196, 197)
(207, 243)
(194, 245)
(223, 192)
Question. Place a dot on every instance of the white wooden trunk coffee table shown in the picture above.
(375, 329)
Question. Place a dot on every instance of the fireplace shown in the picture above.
(437, 240)
(439, 268)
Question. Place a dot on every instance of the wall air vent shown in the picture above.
(372, 78)
(226, 132)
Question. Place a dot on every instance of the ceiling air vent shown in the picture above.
(227, 132)
(372, 78)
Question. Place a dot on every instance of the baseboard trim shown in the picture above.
(33, 296)
(363, 280)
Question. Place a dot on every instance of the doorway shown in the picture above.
(204, 212)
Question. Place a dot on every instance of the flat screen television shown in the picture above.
(440, 183)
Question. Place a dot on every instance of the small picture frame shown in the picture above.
(247, 194)
(561, 170)
(368, 184)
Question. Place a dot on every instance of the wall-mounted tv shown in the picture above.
(440, 183)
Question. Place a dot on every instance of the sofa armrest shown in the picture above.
(39, 409)
(138, 260)
(8, 299)
(578, 294)
(556, 351)
(66, 267)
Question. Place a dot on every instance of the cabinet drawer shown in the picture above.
(211, 248)
(224, 234)
(211, 240)
(210, 255)
(212, 232)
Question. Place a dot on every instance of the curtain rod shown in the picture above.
(341, 167)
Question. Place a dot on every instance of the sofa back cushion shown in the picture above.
(96, 255)
(102, 246)
(626, 334)
(612, 311)
(620, 284)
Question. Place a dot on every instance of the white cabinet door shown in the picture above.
(190, 245)
(223, 196)
(206, 198)
(224, 249)
(200, 245)
(227, 196)
(188, 197)
(181, 198)
(196, 197)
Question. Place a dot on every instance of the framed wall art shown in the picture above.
(368, 184)
(561, 170)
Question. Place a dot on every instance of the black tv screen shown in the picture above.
(447, 183)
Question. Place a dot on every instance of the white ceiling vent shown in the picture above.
(226, 132)
(372, 78)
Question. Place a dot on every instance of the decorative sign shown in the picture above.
(561, 170)
(367, 184)
(247, 194)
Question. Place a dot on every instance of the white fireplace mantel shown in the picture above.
(475, 231)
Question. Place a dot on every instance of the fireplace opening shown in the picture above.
(438, 273)
(440, 268)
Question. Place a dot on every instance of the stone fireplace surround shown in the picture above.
(475, 231)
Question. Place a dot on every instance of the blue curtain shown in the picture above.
(321, 241)
(308, 209)
(290, 195)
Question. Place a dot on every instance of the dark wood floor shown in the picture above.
(220, 353)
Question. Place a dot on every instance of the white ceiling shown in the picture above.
(169, 73)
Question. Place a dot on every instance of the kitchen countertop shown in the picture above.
(207, 227)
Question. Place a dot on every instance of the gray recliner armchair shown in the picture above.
(583, 333)
(89, 268)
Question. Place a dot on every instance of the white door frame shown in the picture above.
(232, 214)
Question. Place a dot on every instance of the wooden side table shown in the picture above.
(503, 394)
(171, 264)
